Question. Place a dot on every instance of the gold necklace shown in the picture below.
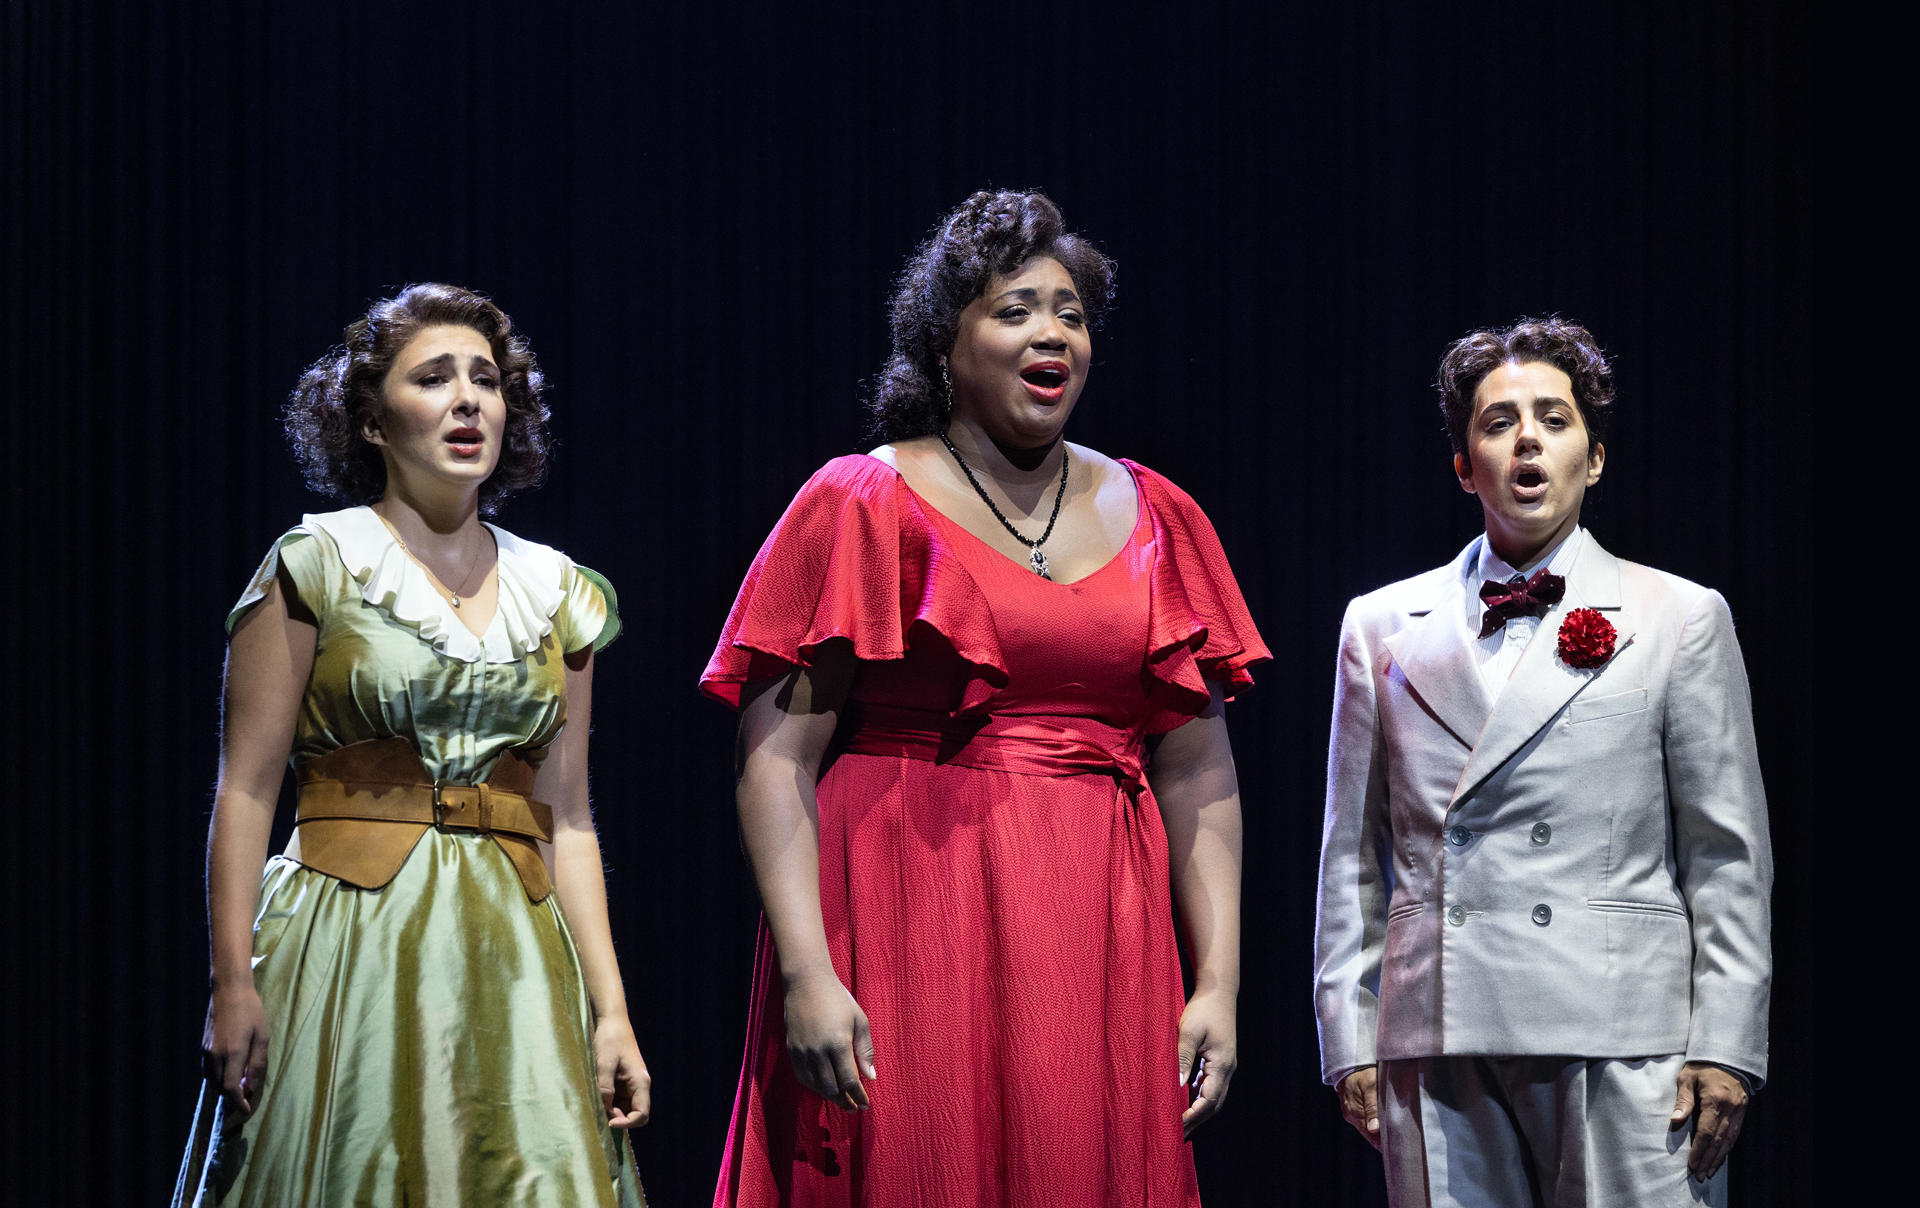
(453, 594)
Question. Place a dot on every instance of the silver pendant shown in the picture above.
(1039, 562)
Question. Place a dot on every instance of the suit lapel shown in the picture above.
(1435, 653)
(1542, 683)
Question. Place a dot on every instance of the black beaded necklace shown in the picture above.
(1035, 559)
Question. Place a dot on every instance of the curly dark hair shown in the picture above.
(324, 413)
(990, 234)
(1558, 342)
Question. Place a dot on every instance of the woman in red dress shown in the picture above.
(982, 753)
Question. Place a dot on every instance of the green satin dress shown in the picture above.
(430, 1041)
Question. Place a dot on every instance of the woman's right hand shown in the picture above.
(233, 1048)
(828, 1040)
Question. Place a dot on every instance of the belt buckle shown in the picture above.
(439, 808)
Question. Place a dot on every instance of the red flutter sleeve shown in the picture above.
(1199, 628)
(853, 559)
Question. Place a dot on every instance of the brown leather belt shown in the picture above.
(364, 806)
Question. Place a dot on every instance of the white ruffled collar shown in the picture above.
(532, 587)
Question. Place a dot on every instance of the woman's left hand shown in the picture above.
(626, 1089)
(1206, 1044)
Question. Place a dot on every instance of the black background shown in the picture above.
(695, 216)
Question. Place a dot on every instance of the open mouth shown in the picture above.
(1046, 380)
(1529, 482)
(465, 441)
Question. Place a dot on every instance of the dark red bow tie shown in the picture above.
(1517, 597)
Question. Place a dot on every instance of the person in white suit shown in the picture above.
(1542, 953)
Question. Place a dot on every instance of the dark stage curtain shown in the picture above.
(695, 213)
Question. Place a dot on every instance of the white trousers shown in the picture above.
(1537, 1132)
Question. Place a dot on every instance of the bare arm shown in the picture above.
(1199, 793)
(626, 1088)
(785, 728)
(268, 661)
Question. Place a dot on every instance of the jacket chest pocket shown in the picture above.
(1584, 709)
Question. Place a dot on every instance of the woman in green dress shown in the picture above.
(419, 1003)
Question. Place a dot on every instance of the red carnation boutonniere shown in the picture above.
(1586, 638)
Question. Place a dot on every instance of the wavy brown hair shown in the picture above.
(989, 235)
(325, 412)
(1555, 341)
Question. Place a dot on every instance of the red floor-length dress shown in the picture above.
(993, 867)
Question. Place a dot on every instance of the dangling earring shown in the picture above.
(946, 392)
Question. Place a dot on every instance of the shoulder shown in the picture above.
(1112, 480)
(1664, 589)
(302, 545)
(1667, 607)
(1658, 593)
(309, 558)
(1156, 486)
(321, 541)
(852, 478)
(549, 590)
(528, 555)
(1175, 511)
(920, 464)
(1415, 593)
(853, 501)
(859, 469)
(351, 540)
(544, 568)
(1689, 626)
(1421, 592)
(1392, 606)
(348, 527)
(1388, 608)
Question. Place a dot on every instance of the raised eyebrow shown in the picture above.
(441, 361)
(445, 361)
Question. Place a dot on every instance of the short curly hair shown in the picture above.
(989, 235)
(323, 415)
(1555, 341)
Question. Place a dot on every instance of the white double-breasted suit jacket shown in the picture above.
(1579, 869)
